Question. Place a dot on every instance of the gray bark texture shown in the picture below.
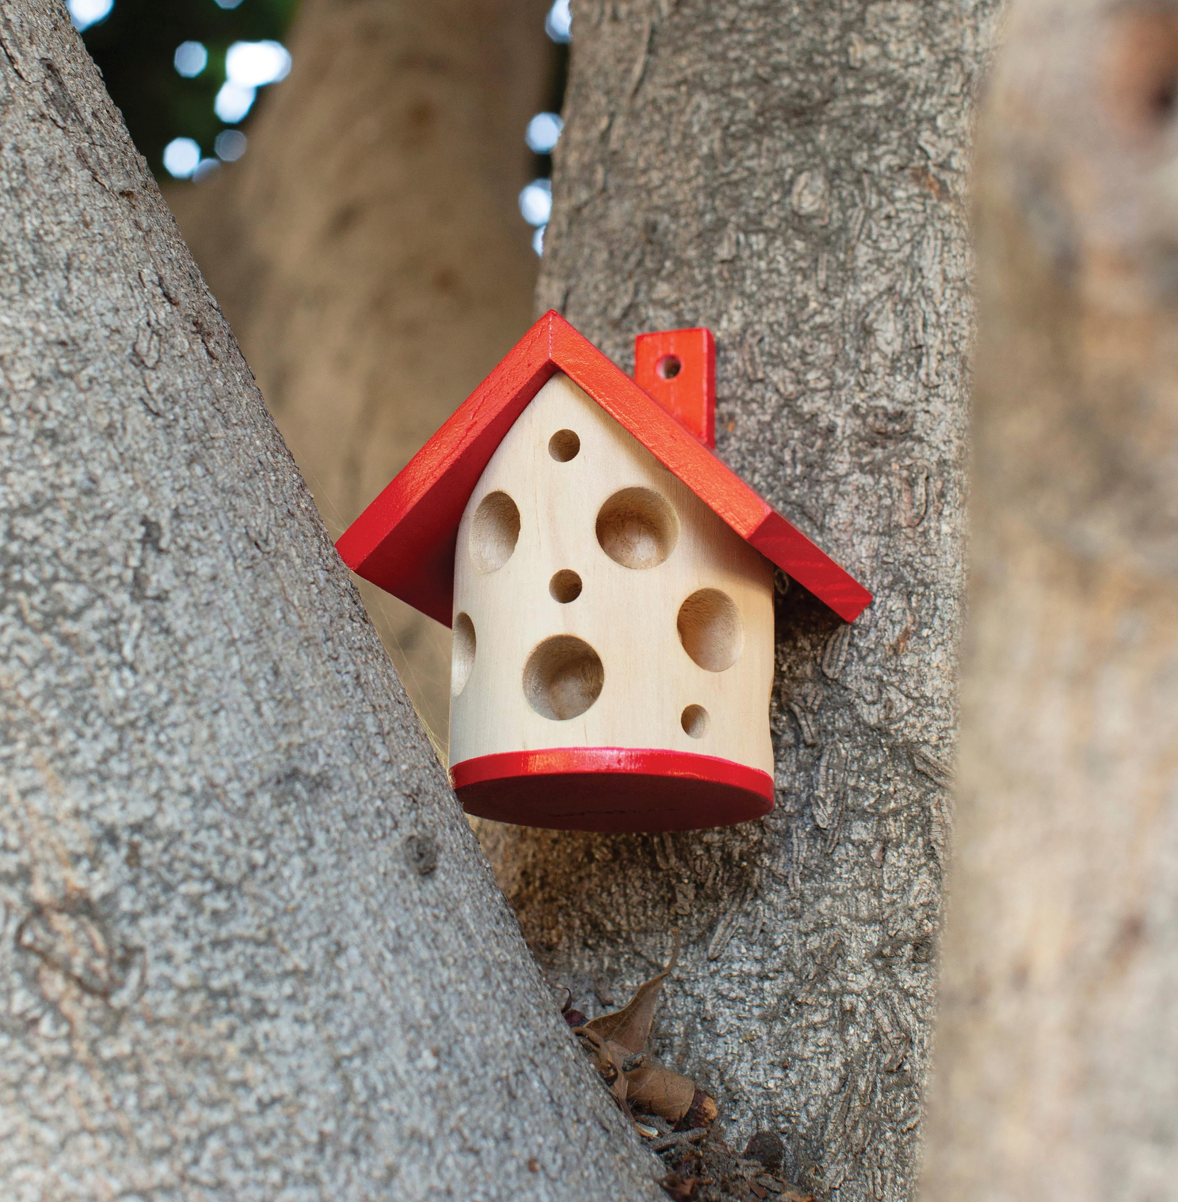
(250, 949)
(369, 253)
(1057, 1052)
(791, 175)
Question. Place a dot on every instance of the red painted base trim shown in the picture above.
(611, 789)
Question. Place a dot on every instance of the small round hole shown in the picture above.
(563, 677)
(564, 445)
(694, 721)
(565, 586)
(710, 629)
(494, 532)
(637, 528)
(462, 654)
(669, 366)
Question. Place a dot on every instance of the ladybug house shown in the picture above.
(609, 583)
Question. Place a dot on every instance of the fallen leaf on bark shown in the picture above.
(630, 1026)
(637, 1082)
(653, 1089)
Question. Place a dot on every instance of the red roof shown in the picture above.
(405, 540)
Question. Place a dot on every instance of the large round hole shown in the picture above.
(565, 586)
(668, 367)
(461, 654)
(494, 531)
(637, 528)
(694, 721)
(710, 630)
(564, 445)
(563, 677)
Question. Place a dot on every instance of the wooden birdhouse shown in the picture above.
(609, 583)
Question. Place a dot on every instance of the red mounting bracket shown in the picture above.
(678, 369)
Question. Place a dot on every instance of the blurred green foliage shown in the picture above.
(135, 47)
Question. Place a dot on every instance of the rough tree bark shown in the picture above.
(369, 253)
(250, 949)
(1058, 1048)
(790, 175)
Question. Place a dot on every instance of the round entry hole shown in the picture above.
(564, 445)
(565, 586)
(694, 721)
(668, 367)
(710, 629)
(563, 677)
(494, 531)
(637, 528)
(461, 654)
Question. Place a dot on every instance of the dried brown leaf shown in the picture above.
(630, 1026)
(636, 1080)
(608, 1058)
(653, 1089)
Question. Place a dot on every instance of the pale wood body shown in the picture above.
(628, 615)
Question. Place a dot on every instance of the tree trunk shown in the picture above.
(1058, 1047)
(791, 176)
(369, 252)
(250, 948)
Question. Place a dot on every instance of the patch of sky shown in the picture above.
(181, 157)
(543, 132)
(559, 22)
(535, 201)
(84, 13)
(230, 145)
(255, 64)
(249, 66)
(190, 59)
(232, 103)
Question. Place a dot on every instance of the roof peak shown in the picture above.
(404, 541)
